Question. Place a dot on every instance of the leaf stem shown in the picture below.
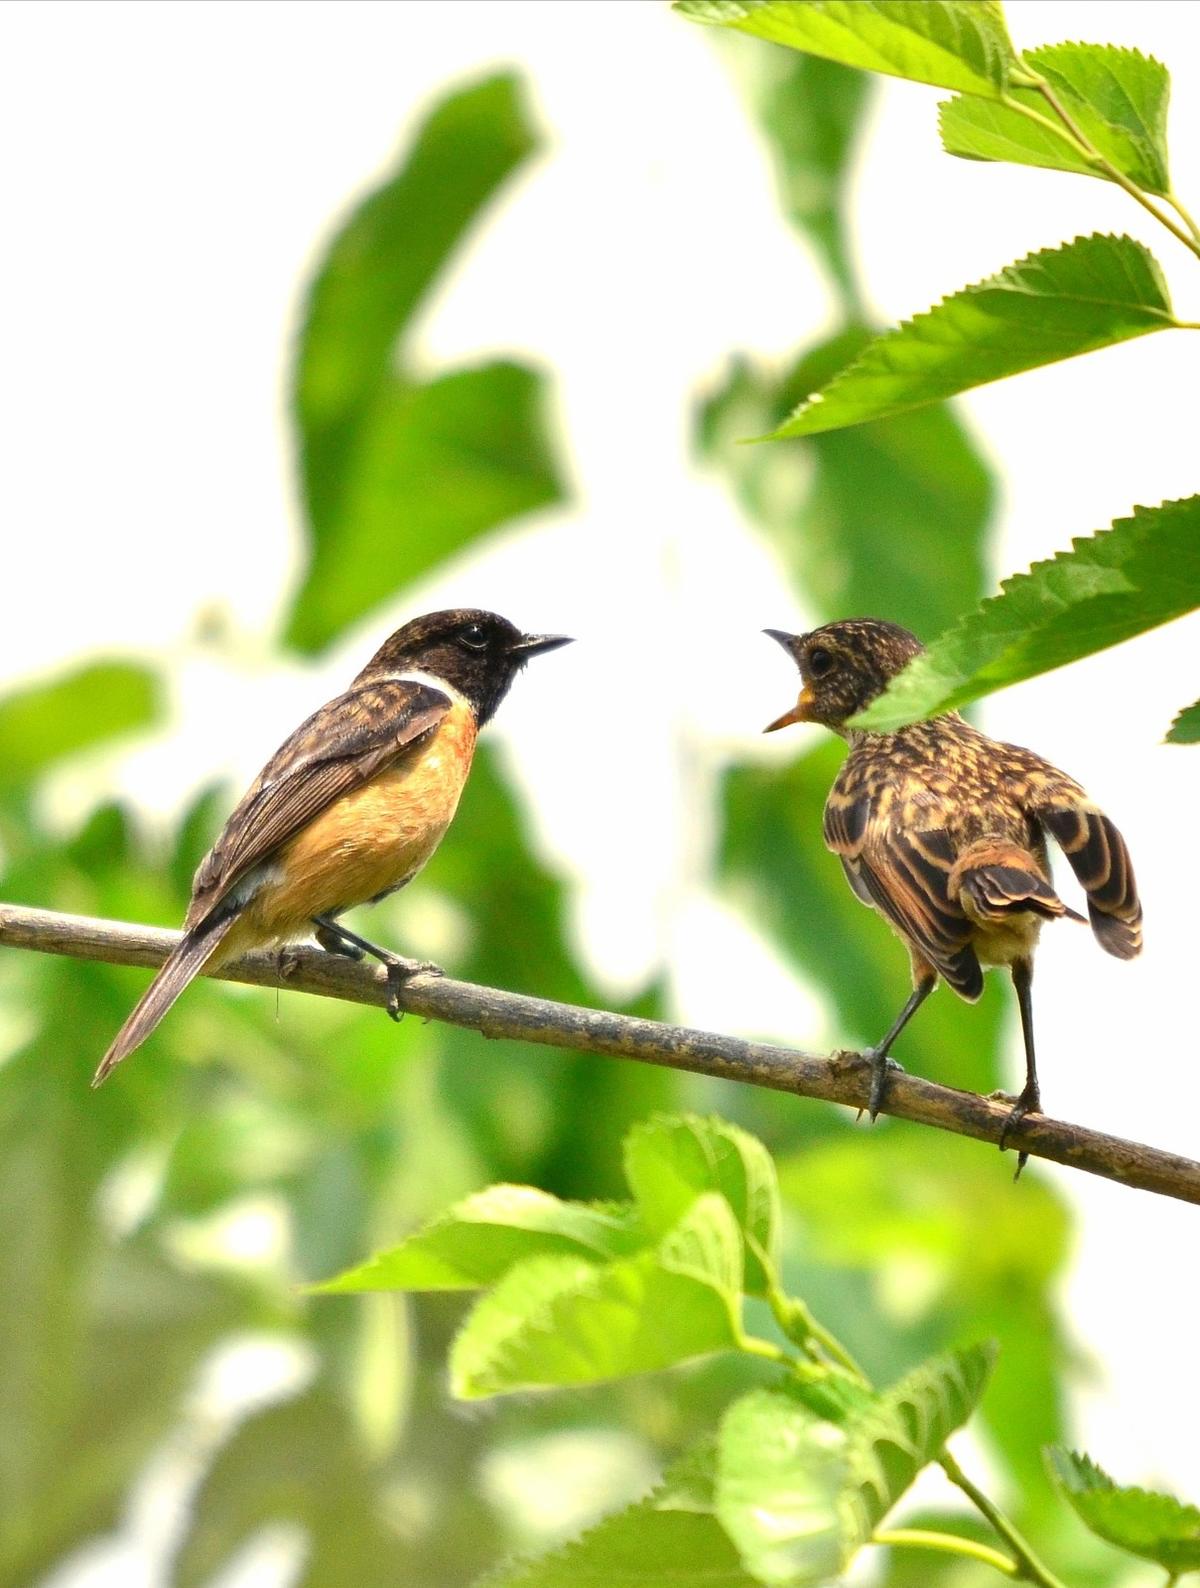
(1029, 1567)
(1184, 216)
(1086, 147)
(789, 1312)
(753, 1345)
(948, 1543)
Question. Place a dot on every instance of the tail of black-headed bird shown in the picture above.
(185, 961)
(1100, 860)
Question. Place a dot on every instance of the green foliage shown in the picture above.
(1052, 305)
(478, 1240)
(1095, 109)
(800, 1474)
(670, 1162)
(1117, 98)
(1186, 727)
(1156, 1526)
(400, 472)
(961, 44)
(48, 722)
(1143, 571)
(810, 111)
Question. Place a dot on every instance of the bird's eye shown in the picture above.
(473, 637)
(820, 662)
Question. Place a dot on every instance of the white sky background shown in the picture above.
(171, 174)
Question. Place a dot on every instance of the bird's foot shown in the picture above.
(400, 971)
(1029, 1102)
(881, 1068)
(287, 962)
(333, 943)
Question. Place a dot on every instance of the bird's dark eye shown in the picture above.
(473, 637)
(820, 661)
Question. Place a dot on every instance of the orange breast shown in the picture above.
(370, 841)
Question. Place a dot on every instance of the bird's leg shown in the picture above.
(881, 1065)
(338, 939)
(1030, 1100)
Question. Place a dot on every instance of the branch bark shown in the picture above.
(835, 1078)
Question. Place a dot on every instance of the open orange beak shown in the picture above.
(798, 713)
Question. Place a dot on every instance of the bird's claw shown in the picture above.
(881, 1068)
(1029, 1102)
(400, 971)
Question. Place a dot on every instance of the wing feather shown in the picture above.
(1100, 860)
(340, 747)
(905, 875)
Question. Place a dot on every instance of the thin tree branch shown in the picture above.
(836, 1078)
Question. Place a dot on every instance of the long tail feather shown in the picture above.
(194, 951)
(1100, 860)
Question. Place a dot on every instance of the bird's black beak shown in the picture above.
(788, 641)
(538, 644)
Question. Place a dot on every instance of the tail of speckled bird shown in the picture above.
(1100, 860)
(185, 961)
(996, 879)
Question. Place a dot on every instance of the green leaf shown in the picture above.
(671, 1536)
(1143, 571)
(780, 1478)
(430, 468)
(905, 1429)
(399, 473)
(800, 1495)
(1156, 1526)
(672, 1160)
(863, 518)
(1052, 305)
(1186, 727)
(300, 1463)
(959, 44)
(810, 111)
(479, 1239)
(45, 723)
(561, 1320)
(1116, 97)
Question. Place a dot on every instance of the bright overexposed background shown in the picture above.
(172, 173)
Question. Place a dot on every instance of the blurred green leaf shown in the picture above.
(864, 520)
(1186, 727)
(800, 1496)
(1156, 1526)
(943, 1250)
(478, 1240)
(432, 467)
(1049, 306)
(810, 111)
(560, 1320)
(670, 1161)
(45, 723)
(959, 44)
(1143, 571)
(780, 1479)
(670, 1536)
(904, 1430)
(301, 1463)
(1116, 97)
(398, 472)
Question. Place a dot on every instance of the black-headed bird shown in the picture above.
(348, 809)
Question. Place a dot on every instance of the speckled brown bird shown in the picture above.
(349, 808)
(943, 831)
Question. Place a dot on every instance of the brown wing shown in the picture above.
(1101, 862)
(339, 748)
(905, 874)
